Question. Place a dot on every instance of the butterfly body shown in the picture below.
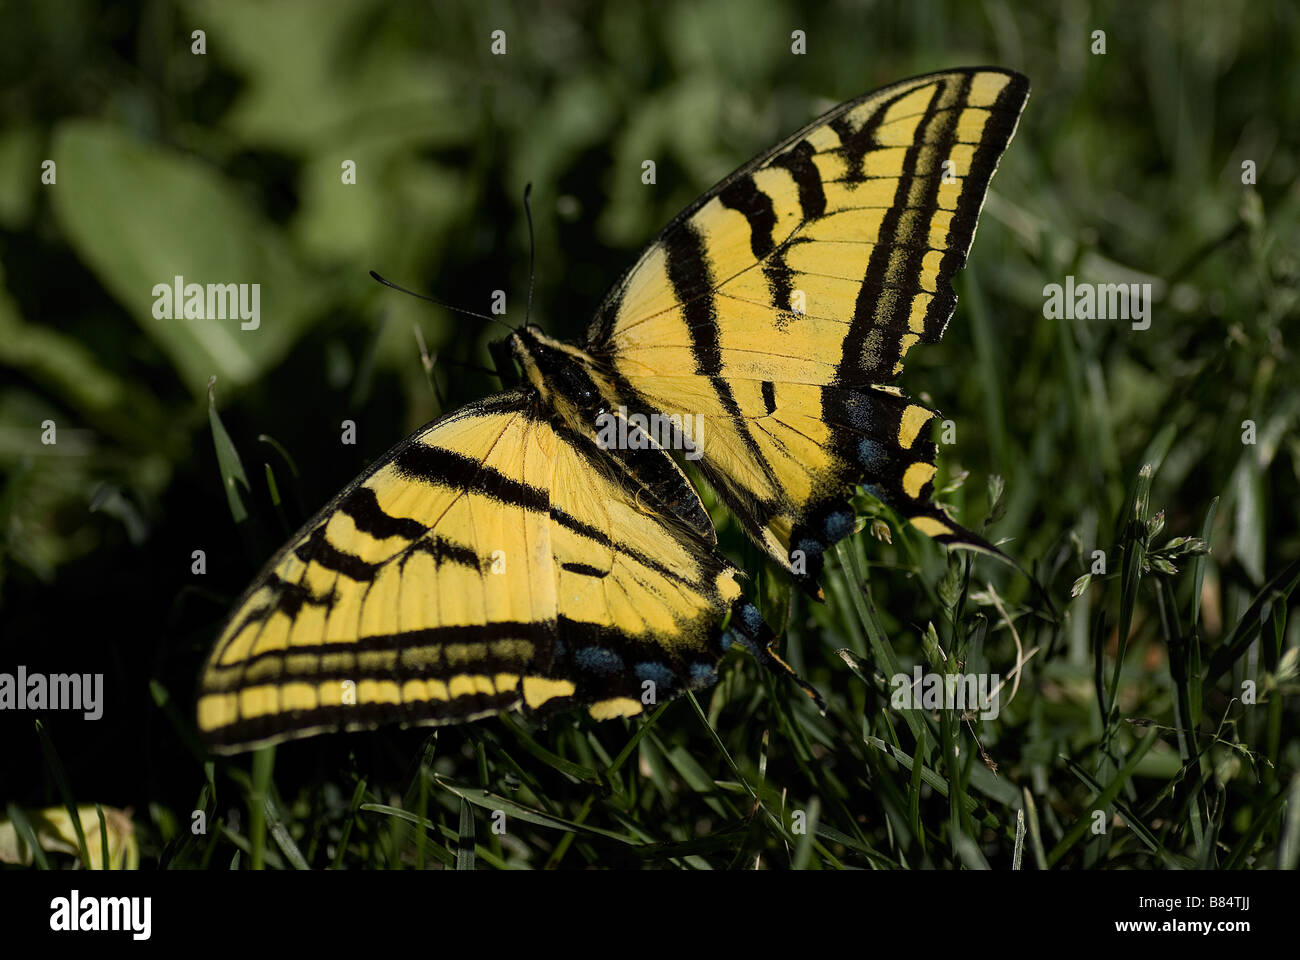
(509, 555)
(583, 397)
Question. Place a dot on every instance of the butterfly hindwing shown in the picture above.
(781, 303)
(486, 562)
(641, 595)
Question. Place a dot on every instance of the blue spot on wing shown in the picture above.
(839, 525)
(873, 455)
(598, 660)
(859, 414)
(811, 548)
(703, 675)
(656, 673)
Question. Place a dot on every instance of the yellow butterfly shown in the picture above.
(541, 549)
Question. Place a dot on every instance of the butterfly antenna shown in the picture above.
(469, 313)
(532, 252)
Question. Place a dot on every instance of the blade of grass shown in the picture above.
(358, 794)
(55, 767)
(860, 595)
(1288, 850)
(283, 839)
(103, 839)
(914, 794)
(1277, 590)
(24, 829)
(492, 801)
(233, 478)
(1188, 749)
(938, 783)
(1134, 546)
(576, 771)
(1236, 858)
(1202, 561)
(1018, 851)
(1035, 831)
(1103, 799)
(465, 841)
(1135, 824)
(641, 730)
(263, 764)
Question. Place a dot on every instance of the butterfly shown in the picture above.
(541, 549)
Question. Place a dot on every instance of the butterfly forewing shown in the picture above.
(782, 303)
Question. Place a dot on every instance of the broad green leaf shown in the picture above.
(140, 215)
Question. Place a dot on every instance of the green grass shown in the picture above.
(1160, 691)
(753, 776)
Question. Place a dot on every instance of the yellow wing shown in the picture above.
(781, 303)
(489, 561)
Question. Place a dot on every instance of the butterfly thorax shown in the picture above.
(566, 378)
(579, 393)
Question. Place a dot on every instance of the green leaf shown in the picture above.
(139, 215)
(233, 478)
(1277, 590)
(1288, 853)
(258, 794)
(23, 830)
(1102, 799)
(55, 767)
(465, 842)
